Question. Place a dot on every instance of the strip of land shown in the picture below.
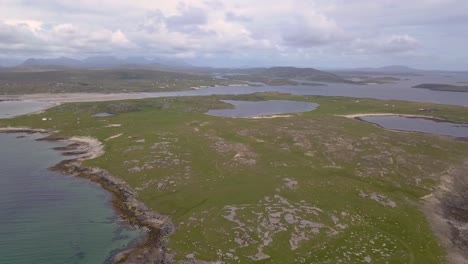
(442, 87)
(388, 114)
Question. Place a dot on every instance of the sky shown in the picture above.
(427, 34)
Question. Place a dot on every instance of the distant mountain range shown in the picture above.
(102, 62)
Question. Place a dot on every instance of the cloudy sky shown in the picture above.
(315, 33)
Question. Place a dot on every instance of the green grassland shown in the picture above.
(310, 188)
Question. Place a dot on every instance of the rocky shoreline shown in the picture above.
(446, 209)
(125, 200)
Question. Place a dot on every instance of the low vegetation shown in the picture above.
(100, 81)
(308, 74)
(276, 76)
(309, 188)
(272, 81)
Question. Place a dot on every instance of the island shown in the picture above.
(442, 87)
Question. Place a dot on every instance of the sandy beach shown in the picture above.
(389, 114)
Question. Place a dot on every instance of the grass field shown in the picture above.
(310, 188)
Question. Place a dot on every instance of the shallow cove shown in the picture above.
(47, 217)
(417, 124)
(262, 108)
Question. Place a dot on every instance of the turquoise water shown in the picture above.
(47, 217)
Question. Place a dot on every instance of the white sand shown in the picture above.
(93, 147)
(114, 125)
(75, 97)
(387, 114)
(268, 117)
(114, 136)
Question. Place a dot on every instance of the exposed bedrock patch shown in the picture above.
(241, 154)
(274, 215)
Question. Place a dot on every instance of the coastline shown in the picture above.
(259, 117)
(354, 116)
(71, 97)
(446, 212)
(124, 199)
(268, 117)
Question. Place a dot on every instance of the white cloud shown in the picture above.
(31, 25)
(398, 44)
(394, 44)
(308, 29)
(119, 38)
(17, 37)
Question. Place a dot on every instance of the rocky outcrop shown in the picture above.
(447, 211)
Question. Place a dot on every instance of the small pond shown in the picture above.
(102, 115)
(419, 125)
(262, 108)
